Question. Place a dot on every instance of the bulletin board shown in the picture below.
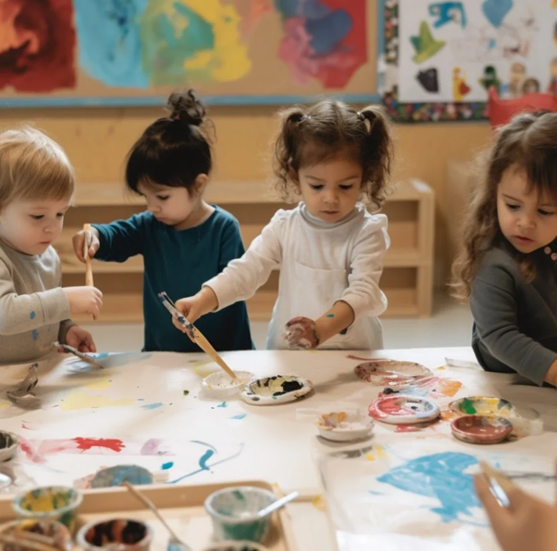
(233, 52)
(440, 58)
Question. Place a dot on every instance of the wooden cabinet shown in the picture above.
(407, 278)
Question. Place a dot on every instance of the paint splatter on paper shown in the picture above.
(154, 405)
(82, 400)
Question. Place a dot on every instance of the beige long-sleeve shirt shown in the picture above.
(34, 310)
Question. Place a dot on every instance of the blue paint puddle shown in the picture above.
(32, 315)
(154, 405)
(166, 466)
(440, 476)
(223, 405)
(239, 416)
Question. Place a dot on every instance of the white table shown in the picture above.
(137, 404)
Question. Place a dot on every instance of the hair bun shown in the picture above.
(185, 107)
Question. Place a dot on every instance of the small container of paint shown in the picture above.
(58, 503)
(48, 528)
(119, 534)
(220, 384)
(234, 512)
(235, 546)
(9, 443)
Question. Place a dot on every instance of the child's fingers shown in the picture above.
(178, 325)
(500, 517)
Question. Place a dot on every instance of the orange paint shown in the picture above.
(448, 387)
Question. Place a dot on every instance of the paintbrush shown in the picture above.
(88, 267)
(499, 484)
(80, 355)
(195, 334)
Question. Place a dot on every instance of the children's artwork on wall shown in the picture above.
(442, 57)
(135, 52)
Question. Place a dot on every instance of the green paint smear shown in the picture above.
(467, 406)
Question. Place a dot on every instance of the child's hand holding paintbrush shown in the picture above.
(520, 522)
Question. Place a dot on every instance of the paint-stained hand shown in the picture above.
(193, 308)
(86, 240)
(301, 333)
(84, 300)
(80, 339)
(527, 524)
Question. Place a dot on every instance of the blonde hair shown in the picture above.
(316, 134)
(32, 166)
(529, 144)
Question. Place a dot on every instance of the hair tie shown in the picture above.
(361, 116)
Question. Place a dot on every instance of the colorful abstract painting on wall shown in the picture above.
(37, 45)
(48, 45)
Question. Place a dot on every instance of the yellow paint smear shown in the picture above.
(379, 454)
(82, 400)
(101, 384)
(319, 503)
(201, 368)
(5, 405)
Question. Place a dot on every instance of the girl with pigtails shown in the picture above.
(330, 248)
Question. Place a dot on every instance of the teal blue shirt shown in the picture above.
(179, 262)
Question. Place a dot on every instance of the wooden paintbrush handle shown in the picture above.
(206, 346)
(88, 267)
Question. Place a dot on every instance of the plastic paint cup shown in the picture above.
(234, 513)
(118, 534)
(49, 502)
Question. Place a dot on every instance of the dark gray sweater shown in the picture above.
(515, 323)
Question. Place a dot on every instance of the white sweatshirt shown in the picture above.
(320, 264)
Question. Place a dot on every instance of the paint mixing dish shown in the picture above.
(221, 384)
(58, 503)
(234, 513)
(482, 405)
(387, 372)
(275, 390)
(344, 427)
(119, 534)
(404, 410)
(9, 443)
(236, 546)
(481, 429)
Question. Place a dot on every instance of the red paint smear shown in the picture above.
(407, 428)
(30, 452)
(24, 426)
(113, 444)
(37, 45)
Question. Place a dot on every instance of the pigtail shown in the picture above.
(286, 145)
(377, 153)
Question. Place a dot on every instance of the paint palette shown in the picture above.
(344, 427)
(391, 372)
(221, 384)
(275, 390)
(481, 429)
(404, 410)
(482, 405)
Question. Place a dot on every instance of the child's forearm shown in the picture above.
(207, 300)
(337, 319)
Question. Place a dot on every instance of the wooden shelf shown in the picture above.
(407, 278)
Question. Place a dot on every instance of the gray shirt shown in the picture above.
(515, 322)
(34, 310)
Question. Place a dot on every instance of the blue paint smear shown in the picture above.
(32, 315)
(166, 466)
(496, 10)
(204, 458)
(441, 476)
(110, 47)
(312, 9)
(141, 399)
(239, 416)
(35, 334)
(223, 405)
(328, 31)
(154, 405)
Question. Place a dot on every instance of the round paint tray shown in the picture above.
(386, 372)
(344, 427)
(482, 405)
(481, 429)
(404, 410)
(275, 390)
(221, 384)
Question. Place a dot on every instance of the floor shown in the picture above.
(450, 325)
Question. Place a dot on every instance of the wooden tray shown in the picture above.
(182, 507)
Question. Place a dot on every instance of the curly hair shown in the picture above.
(528, 144)
(309, 136)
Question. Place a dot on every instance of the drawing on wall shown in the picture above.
(442, 57)
(113, 48)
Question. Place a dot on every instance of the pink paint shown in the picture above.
(29, 452)
(25, 426)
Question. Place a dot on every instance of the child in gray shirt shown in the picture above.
(508, 265)
(36, 187)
